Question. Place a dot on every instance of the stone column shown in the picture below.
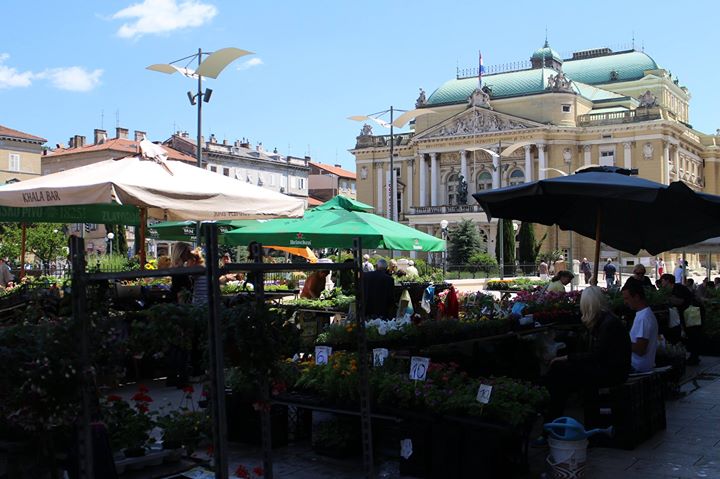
(542, 173)
(627, 155)
(586, 152)
(676, 161)
(528, 165)
(666, 159)
(380, 202)
(422, 168)
(463, 164)
(434, 179)
(409, 188)
(496, 176)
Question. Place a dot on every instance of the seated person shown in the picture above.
(606, 364)
(644, 331)
(314, 285)
(559, 281)
(680, 297)
(639, 276)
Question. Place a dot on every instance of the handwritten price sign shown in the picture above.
(418, 368)
(322, 353)
(484, 392)
(379, 355)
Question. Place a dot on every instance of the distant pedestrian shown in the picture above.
(660, 266)
(560, 264)
(543, 270)
(367, 266)
(586, 270)
(679, 272)
(610, 271)
(6, 277)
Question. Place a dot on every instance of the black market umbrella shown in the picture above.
(610, 205)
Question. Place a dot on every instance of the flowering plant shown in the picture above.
(244, 473)
(128, 425)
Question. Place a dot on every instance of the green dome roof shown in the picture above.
(546, 52)
(591, 71)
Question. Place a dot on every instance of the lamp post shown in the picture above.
(399, 122)
(444, 230)
(110, 238)
(211, 66)
(568, 162)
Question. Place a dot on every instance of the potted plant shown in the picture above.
(129, 426)
(183, 428)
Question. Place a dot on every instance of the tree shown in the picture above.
(508, 247)
(46, 241)
(528, 249)
(10, 239)
(464, 241)
(119, 244)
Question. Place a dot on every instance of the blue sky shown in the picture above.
(69, 67)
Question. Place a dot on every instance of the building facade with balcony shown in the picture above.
(548, 116)
(328, 181)
(284, 174)
(20, 155)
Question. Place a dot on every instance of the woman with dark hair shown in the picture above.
(559, 281)
(181, 286)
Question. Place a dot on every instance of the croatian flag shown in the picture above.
(481, 69)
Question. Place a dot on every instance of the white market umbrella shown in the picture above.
(169, 190)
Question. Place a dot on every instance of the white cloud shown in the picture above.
(10, 77)
(253, 62)
(72, 78)
(163, 16)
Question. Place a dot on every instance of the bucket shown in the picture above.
(567, 458)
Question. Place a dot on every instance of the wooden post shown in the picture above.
(23, 245)
(598, 224)
(143, 225)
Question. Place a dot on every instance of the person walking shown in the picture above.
(586, 270)
(543, 270)
(610, 271)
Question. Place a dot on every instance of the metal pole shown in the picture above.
(596, 266)
(79, 305)
(363, 370)
(444, 253)
(570, 244)
(392, 169)
(501, 225)
(23, 242)
(199, 120)
(217, 367)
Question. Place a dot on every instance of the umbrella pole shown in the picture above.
(598, 222)
(23, 243)
(143, 224)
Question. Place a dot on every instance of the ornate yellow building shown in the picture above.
(548, 116)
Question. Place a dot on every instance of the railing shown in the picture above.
(630, 116)
(444, 209)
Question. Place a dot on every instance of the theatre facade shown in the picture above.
(546, 117)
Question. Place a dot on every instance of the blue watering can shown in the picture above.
(568, 429)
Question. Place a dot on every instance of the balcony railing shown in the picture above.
(444, 209)
(630, 116)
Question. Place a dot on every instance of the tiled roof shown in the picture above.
(314, 201)
(122, 145)
(10, 133)
(626, 66)
(342, 173)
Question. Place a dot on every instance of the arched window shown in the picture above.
(517, 177)
(484, 181)
(452, 189)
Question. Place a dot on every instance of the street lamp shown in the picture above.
(214, 63)
(406, 116)
(110, 237)
(444, 230)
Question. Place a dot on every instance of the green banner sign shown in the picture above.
(98, 213)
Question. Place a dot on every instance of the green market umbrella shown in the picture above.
(186, 230)
(335, 224)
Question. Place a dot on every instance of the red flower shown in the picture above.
(242, 471)
(113, 398)
(143, 389)
(210, 450)
(141, 397)
(189, 389)
(204, 393)
(258, 471)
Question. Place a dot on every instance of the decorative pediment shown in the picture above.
(474, 121)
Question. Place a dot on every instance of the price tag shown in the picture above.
(418, 368)
(483, 394)
(322, 353)
(406, 448)
(379, 355)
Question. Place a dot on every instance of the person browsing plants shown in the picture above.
(644, 331)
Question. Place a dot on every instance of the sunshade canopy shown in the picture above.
(101, 213)
(187, 230)
(335, 224)
(168, 189)
(632, 213)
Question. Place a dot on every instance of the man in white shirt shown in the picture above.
(679, 272)
(644, 331)
(367, 265)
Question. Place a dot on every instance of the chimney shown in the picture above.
(245, 143)
(100, 136)
(71, 142)
(77, 141)
(140, 135)
(225, 142)
(121, 133)
(338, 166)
